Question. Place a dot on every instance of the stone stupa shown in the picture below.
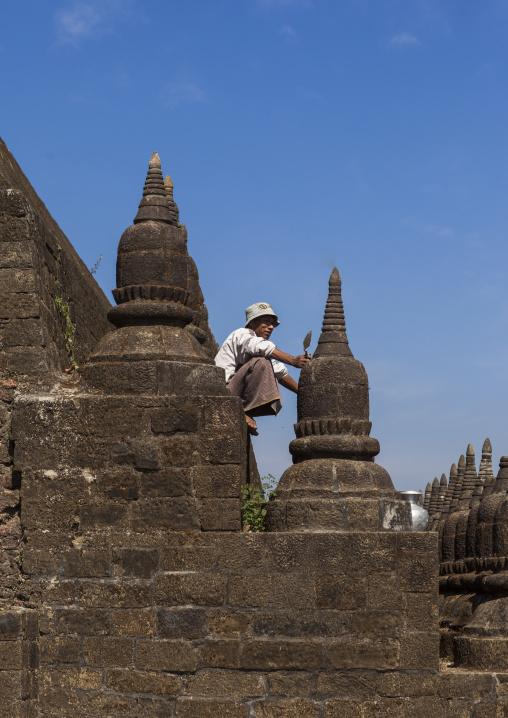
(334, 483)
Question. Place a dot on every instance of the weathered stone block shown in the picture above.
(171, 656)
(203, 589)
(369, 624)
(217, 481)
(246, 550)
(11, 690)
(268, 655)
(59, 649)
(340, 592)
(247, 589)
(222, 448)
(483, 654)
(420, 651)
(383, 593)
(466, 685)
(113, 595)
(206, 708)
(135, 563)
(419, 573)
(81, 622)
(103, 516)
(236, 684)
(108, 651)
(11, 655)
(350, 654)
(301, 624)
(184, 419)
(352, 709)
(175, 514)
(228, 622)
(129, 622)
(11, 625)
(177, 378)
(426, 707)
(185, 623)
(220, 514)
(408, 684)
(292, 708)
(189, 558)
(294, 590)
(222, 653)
(84, 563)
(362, 514)
(345, 683)
(145, 682)
(290, 684)
(422, 611)
(169, 481)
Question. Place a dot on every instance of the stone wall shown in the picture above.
(46, 293)
(10, 524)
(141, 595)
(19, 660)
(44, 285)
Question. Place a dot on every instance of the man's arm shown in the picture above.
(288, 382)
(297, 362)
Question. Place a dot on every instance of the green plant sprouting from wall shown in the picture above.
(254, 500)
(70, 329)
(95, 267)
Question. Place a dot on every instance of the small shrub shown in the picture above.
(254, 500)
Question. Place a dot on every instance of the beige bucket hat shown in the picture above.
(259, 309)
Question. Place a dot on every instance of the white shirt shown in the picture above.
(242, 345)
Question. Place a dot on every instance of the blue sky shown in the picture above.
(299, 134)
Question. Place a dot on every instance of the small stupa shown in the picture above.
(334, 483)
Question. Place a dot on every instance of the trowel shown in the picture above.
(306, 344)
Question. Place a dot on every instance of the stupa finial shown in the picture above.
(333, 339)
(486, 470)
(154, 205)
(155, 162)
(173, 207)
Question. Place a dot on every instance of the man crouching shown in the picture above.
(254, 367)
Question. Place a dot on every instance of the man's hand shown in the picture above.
(298, 362)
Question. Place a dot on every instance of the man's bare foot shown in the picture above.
(251, 425)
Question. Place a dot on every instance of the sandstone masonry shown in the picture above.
(136, 593)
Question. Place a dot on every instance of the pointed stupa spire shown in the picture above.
(426, 500)
(434, 497)
(486, 469)
(470, 477)
(333, 339)
(457, 489)
(443, 486)
(451, 488)
(154, 205)
(154, 162)
(173, 207)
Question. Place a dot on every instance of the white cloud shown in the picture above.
(403, 39)
(84, 19)
(182, 93)
(80, 20)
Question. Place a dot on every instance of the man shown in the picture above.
(254, 367)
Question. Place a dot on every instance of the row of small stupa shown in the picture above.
(470, 512)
